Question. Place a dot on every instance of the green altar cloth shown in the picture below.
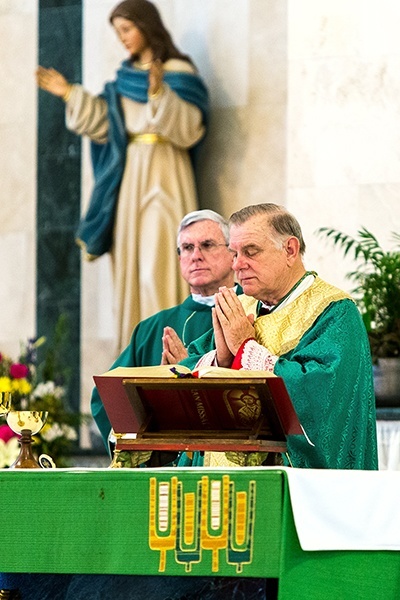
(142, 522)
(181, 522)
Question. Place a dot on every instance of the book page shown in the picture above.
(228, 373)
(176, 370)
(154, 371)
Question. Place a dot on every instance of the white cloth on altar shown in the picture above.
(388, 439)
(345, 510)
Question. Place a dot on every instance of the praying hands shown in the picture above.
(173, 348)
(231, 325)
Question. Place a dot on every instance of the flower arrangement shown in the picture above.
(37, 387)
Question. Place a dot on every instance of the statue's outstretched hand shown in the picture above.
(52, 81)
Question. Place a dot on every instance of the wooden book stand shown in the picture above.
(251, 414)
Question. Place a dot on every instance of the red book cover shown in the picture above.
(254, 404)
(213, 406)
(121, 414)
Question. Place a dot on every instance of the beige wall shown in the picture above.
(305, 112)
(18, 42)
(343, 127)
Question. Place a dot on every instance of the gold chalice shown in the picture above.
(26, 423)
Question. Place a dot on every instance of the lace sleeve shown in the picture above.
(255, 357)
(207, 360)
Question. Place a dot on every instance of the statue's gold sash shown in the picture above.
(282, 330)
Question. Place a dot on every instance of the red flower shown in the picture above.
(19, 371)
(6, 433)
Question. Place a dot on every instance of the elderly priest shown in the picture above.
(206, 264)
(306, 331)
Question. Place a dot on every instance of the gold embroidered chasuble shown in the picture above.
(281, 330)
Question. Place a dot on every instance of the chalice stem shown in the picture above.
(25, 459)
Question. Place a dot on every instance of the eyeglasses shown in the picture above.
(207, 247)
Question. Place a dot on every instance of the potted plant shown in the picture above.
(377, 293)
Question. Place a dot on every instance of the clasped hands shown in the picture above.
(231, 328)
(173, 347)
(231, 325)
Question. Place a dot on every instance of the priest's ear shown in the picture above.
(292, 249)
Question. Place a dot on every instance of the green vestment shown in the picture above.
(325, 361)
(329, 378)
(189, 319)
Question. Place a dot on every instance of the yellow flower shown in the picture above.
(22, 386)
(5, 384)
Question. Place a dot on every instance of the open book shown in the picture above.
(170, 407)
(182, 371)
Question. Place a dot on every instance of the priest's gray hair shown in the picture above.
(204, 215)
(282, 222)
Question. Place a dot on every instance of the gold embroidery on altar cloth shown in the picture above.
(215, 520)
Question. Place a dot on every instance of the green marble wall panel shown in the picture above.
(59, 185)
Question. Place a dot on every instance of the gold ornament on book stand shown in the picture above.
(26, 423)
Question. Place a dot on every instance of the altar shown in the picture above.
(321, 534)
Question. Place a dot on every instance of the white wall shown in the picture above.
(18, 43)
(343, 160)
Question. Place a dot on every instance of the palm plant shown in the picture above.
(377, 290)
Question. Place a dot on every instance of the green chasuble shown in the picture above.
(189, 319)
(329, 378)
(325, 361)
